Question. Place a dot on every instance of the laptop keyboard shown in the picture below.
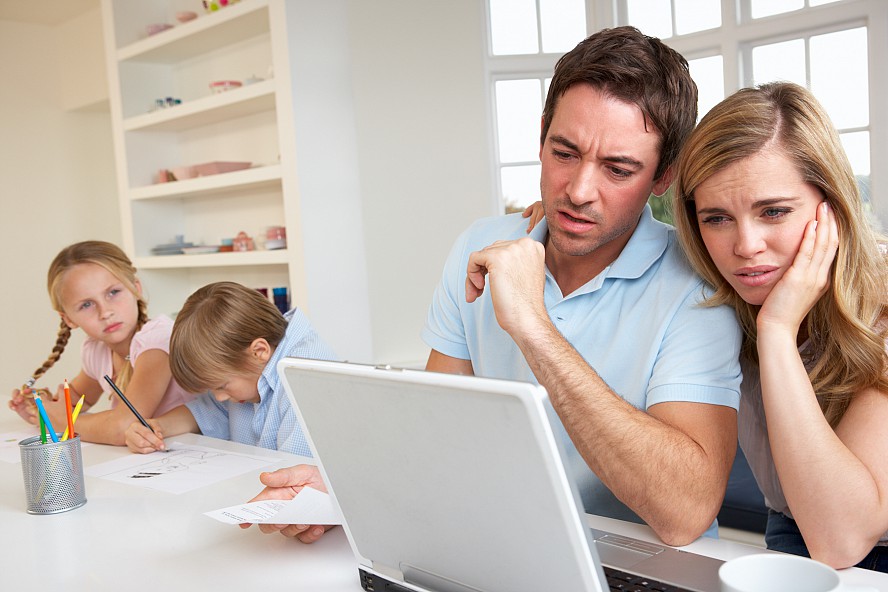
(620, 581)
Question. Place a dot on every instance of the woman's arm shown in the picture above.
(835, 482)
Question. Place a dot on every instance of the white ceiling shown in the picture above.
(44, 12)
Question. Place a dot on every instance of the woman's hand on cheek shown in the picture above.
(807, 280)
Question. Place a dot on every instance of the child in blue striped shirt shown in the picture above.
(227, 340)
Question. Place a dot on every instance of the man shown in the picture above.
(598, 304)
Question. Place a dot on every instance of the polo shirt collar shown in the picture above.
(645, 247)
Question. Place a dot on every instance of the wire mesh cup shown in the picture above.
(53, 475)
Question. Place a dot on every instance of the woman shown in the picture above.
(768, 210)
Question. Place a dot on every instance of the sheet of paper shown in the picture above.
(183, 468)
(310, 506)
(9, 444)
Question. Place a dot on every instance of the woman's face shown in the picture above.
(752, 216)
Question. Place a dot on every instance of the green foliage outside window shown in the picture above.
(661, 206)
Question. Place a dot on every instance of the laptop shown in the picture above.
(454, 483)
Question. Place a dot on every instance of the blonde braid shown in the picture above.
(126, 371)
(61, 342)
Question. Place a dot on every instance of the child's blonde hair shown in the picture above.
(215, 328)
(115, 261)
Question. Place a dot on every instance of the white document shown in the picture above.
(181, 469)
(9, 444)
(310, 506)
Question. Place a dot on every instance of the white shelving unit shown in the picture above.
(276, 123)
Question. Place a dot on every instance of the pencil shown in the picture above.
(74, 418)
(128, 404)
(70, 429)
(42, 410)
(42, 429)
(25, 387)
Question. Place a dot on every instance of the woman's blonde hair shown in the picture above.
(846, 327)
(114, 260)
(214, 330)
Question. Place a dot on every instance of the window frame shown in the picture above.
(734, 41)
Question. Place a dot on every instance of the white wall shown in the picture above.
(420, 101)
(58, 188)
(420, 109)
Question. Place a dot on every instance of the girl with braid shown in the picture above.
(93, 286)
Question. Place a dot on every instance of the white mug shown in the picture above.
(777, 572)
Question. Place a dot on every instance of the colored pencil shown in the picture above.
(42, 410)
(73, 418)
(128, 404)
(68, 410)
(42, 429)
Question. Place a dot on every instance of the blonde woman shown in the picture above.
(93, 286)
(768, 211)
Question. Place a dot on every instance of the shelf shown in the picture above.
(254, 178)
(236, 259)
(234, 23)
(231, 104)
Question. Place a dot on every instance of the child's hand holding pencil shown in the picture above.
(144, 440)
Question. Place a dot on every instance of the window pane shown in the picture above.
(839, 76)
(521, 186)
(563, 24)
(518, 111)
(857, 147)
(709, 75)
(762, 8)
(513, 27)
(652, 17)
(697, 15)
(779, 61)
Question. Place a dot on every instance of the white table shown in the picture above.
(134, 539)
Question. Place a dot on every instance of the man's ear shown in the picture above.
(542, 123)
(260, 350)
(663, 183)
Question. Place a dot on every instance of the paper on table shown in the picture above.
(183, 468)
(9, 444)
(310, 506)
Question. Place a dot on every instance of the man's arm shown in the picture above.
(670, 465)
(439, 362)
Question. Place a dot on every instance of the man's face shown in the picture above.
(598, 163)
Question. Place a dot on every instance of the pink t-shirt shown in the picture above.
(155, 334)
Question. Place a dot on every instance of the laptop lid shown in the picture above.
(446, 482)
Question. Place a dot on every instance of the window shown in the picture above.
(526, 39)
(827, 45)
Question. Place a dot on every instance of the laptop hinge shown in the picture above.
(388, 572)
(430, 581)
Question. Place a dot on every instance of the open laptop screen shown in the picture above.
(446, 482)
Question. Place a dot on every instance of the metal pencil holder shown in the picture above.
(53, 475)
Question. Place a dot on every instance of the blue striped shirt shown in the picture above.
(270, 423)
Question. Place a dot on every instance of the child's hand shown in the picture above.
(142, 440)
(535, 212)
(22, 402)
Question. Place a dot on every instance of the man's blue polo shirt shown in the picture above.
(638, 324)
